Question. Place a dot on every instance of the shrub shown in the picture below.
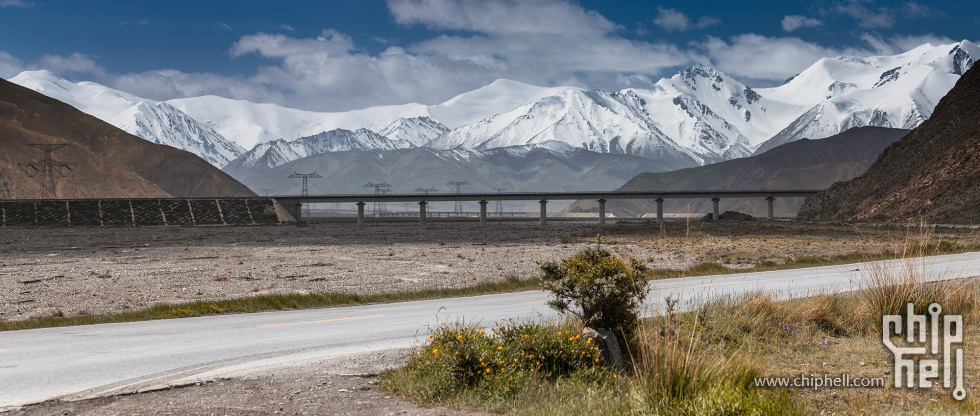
(602, 290)
(461, 360)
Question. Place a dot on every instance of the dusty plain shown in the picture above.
(72, 271)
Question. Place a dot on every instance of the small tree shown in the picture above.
(604, 291)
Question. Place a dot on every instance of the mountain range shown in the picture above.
(697, 116)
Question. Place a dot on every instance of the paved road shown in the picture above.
(87, 361)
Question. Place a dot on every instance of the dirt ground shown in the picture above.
(94, 271)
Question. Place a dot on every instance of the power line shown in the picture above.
(46, 167)
(458, 210)
(306, 180)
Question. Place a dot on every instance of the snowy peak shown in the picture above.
(413, 132)
(278, 152)
(501, 96)
(151, 120)
(250, 124)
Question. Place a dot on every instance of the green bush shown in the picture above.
(602, 290)
(462, 360)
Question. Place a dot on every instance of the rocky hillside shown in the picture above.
(932, 174)
(104, 161)
(804, 164)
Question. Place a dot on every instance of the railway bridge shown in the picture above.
(294, 204)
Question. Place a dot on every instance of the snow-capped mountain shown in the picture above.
(151, 120)
(897, 91)
(278, 152)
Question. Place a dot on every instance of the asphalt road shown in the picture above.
(95, 360)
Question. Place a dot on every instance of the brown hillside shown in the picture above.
(932, 174)
(110, 162)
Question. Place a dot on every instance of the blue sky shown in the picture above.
(341, 55)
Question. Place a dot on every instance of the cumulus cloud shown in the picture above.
(793, 22)
(16, 3)
(672, 20)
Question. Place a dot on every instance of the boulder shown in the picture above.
(608, 346)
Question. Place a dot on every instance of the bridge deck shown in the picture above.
(538, 196)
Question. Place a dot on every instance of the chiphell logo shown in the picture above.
(921, 350)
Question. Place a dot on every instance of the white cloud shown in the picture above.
(793, 22)
(286, 27)
(916, 10)
(75, 63)
(773, 59)
(541, 17)
(867, 18)
(225, 25)
(672, 20)
(282, 46)
(16, 3)
(10, 65)
(902, 43)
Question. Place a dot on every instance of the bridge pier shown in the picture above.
(715, 202)
(422, 205)
(602, 212)
(360, 214)
(544, 212)
(483, 213)
(296, 210)
(769, 201)
(660, 210)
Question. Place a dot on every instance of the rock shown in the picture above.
(728, 216)
(608, 346)
(735, 216)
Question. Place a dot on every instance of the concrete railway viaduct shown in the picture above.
(294, 204)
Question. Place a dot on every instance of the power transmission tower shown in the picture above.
(425, 191)
(4, 186)
(46, 167)
(267, 191)
(499, 210)
(306, 180)
(190, 179)
(458, 210)
(379, 189)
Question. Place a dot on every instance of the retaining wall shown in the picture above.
(137, 212)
